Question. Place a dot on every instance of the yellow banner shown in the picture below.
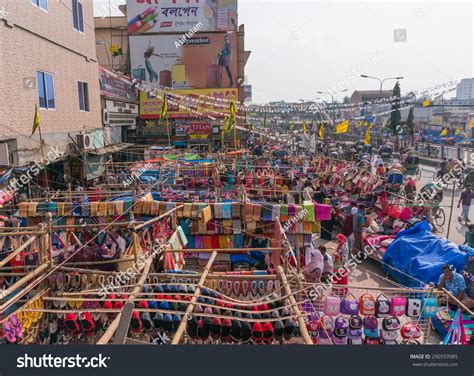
(190, 103)
(342, 127)
(472, 123)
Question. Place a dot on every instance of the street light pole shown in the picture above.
(381, 81)
(332, 102)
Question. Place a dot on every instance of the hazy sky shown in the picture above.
(300, 47)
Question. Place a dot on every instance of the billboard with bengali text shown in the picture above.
(170, 16)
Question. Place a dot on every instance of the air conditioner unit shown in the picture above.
(4, 155)
(85, 141)
(105, 117)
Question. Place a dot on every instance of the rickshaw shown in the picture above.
(412, 166)
(385, 152)
(394, 179)
(432, 194)
(468, 180)
(350, 154)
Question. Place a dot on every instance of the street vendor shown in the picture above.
(455, 284)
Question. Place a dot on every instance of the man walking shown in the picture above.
(465, 200)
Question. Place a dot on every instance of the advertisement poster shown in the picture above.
(150, 107)
(204, 61)
(168, 16)
(116, 86)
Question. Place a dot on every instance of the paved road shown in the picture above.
(457, 231)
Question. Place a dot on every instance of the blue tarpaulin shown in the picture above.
(419, 253)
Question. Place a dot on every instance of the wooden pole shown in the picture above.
(17, 251)
(451, 210)
(40, 269)
(46, 164)
(122, 321)
(291, 298)
(184, 321)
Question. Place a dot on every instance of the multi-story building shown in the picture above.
(465, 89)
(47, 59)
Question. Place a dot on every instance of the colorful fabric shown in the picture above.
(276, 212)
(227, 211)
(267, 212)
(309, 211)
(323, 212)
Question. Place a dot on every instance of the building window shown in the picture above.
(83, 90)
(77, 15)
(43, 4)
(45, 90)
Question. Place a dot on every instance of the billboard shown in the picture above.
(170, 16)
(116, 86)
(209, 60)
(185, 106)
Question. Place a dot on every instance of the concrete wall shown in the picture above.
(31, 40)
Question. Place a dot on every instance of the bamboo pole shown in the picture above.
(147, 223)
(17, 251)
(125, 321)
(461, 304)
(19, 283)
(184, 321)
(225, 250)
(291, 298)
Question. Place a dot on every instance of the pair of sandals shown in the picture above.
(28, 319)
(12, 329)
(263, 333)
(246, 290)
(83, 323)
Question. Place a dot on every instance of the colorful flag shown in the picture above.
(367, 135)
(232, 114)
(444, 132)
(342, 127)
(321, 131)
(36, 121)
(164, 108)
(426, 103)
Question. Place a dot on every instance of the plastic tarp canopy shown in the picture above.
(416, 256)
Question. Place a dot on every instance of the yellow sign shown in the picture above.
(472, 123)
(182, 104)
(426, 103)
(342, 127)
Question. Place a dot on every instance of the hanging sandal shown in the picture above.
(257, 333)
(88, 324)
(268, 333)
(71, 323)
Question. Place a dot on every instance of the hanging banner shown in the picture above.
(342, 127)
(165, 16)
(190, 105)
